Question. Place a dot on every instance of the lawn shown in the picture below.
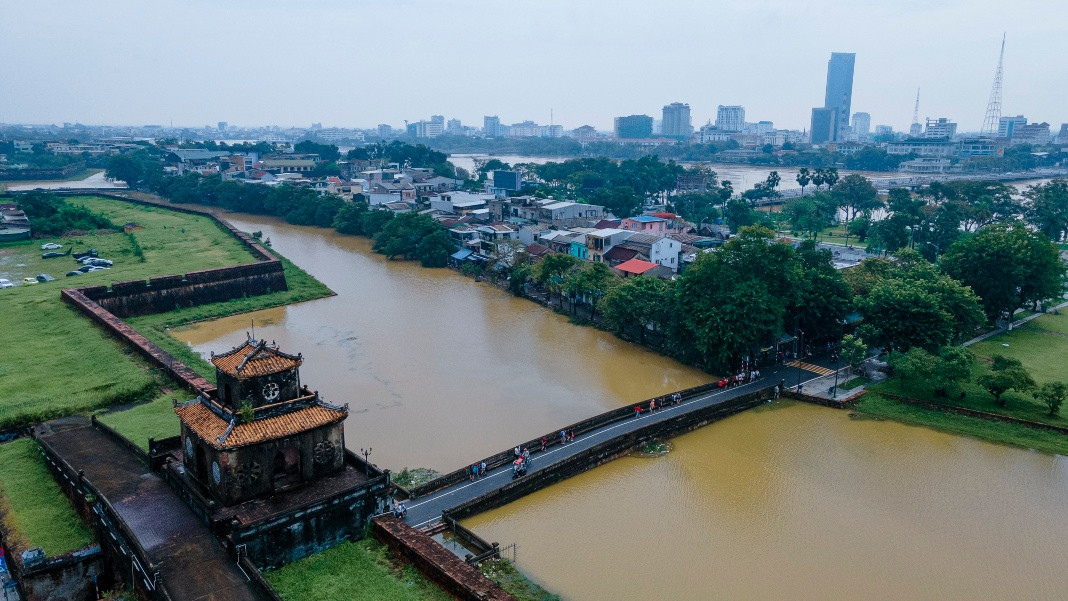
(56, 362)
(36, 513)
(1041, 345)
(512, 580)
(152, 419)
(351, 571)
(1046, 441)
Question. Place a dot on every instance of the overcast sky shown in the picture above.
(360, 63)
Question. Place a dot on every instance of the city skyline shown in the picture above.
(178, 62)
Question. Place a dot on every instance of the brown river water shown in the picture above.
(787, 501)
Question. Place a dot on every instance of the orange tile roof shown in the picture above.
(636, 266)
(210, 427)
(252, 359)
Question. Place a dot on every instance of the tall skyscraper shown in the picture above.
(1008, 125)
(861, 125)
(838, 95)
(491, 126)
(676, 123)
(730, 118)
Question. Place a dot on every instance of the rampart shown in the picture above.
(440, 565)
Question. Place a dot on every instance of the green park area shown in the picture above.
(58, 361)
(1041, 347)
(34, 511)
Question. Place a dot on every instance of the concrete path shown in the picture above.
(192, 563)
(1014, 324)
(426, 510)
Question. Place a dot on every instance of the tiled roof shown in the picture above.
(253, 359)
(636, 266)
(536, 250)
(620, 253)
(210, 427)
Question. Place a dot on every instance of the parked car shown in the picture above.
(54, 254)
(93, 268)
(73, 273)
(6, 283)
(98, 262)
(51, 246)
(44, 277)
(89, 253)
(26, 281)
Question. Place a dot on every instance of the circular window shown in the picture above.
(324, 452)
(216, 473)
(270, 391)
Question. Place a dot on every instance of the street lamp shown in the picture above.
(798, 357)
(366, 464)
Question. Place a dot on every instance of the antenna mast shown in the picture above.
(916, 110)
(993, 107)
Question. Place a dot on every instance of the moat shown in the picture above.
(786, 501)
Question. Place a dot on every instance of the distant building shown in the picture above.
(384, 131)
(676, 123)
(1007, 125)
(884, 130)
(730, 118)
(507, 180)
(822, 130)
(586, 132)
(861, 125)
(1035, 134)
(223, 125)
(940, 128)
(634, 126)
(454, 127)
(491, 126)
(839, 92)
(1062, 136)
(915, 130)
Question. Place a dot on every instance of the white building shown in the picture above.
(940, 128)
(730, 118)
(1007, 125)
(861, 125)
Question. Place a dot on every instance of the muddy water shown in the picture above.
(437, 370)
(801, 502)
(781, 502)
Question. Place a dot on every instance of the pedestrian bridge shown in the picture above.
(598, 440)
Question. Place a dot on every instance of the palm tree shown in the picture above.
(804, 177)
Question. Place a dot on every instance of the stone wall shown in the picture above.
(68, 577)
(437, 563)
(131, 337)
(166, 293)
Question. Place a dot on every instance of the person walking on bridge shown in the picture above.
(544, 441)
(637, 411)
(652, 406)
(563, 437)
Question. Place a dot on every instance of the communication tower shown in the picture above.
(993, 107)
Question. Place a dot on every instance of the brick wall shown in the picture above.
(437, 563)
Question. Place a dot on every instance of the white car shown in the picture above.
(51, 246)
(6, 283)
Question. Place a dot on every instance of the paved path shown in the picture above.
(192, 563)
(1014, 324)
(426, 510)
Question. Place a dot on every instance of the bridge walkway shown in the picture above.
(425, 511)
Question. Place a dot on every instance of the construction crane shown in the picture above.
(993, 107)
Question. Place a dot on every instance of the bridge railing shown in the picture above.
(604, 452)
(553, 438)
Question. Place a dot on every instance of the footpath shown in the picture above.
(192, 563)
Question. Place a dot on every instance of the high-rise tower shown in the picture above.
(836, 101)
(993, 106)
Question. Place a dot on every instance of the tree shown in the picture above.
(641, 300)
(401, 236)
(855, 193)
(434, 249)
(621, 201)
(1048, 210)
(852, 351)
(804, 178)
(374, 221)
(942, 372)
(549, 271)
(1008, 266)
(824, 299)
(125, 167)
(349, 218)
(1006, 374)
(1052, 395)
(590, 282)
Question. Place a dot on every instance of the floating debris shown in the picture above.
(655, 448)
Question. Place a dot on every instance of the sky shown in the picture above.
(358, 63)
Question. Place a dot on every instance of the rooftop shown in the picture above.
(254, 359)
(213, 429)
(646, 219)
(636, 266)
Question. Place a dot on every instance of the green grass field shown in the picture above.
(57, 362)
(1041, 345)
(36, 514)
(151, 419)
(353, 571)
